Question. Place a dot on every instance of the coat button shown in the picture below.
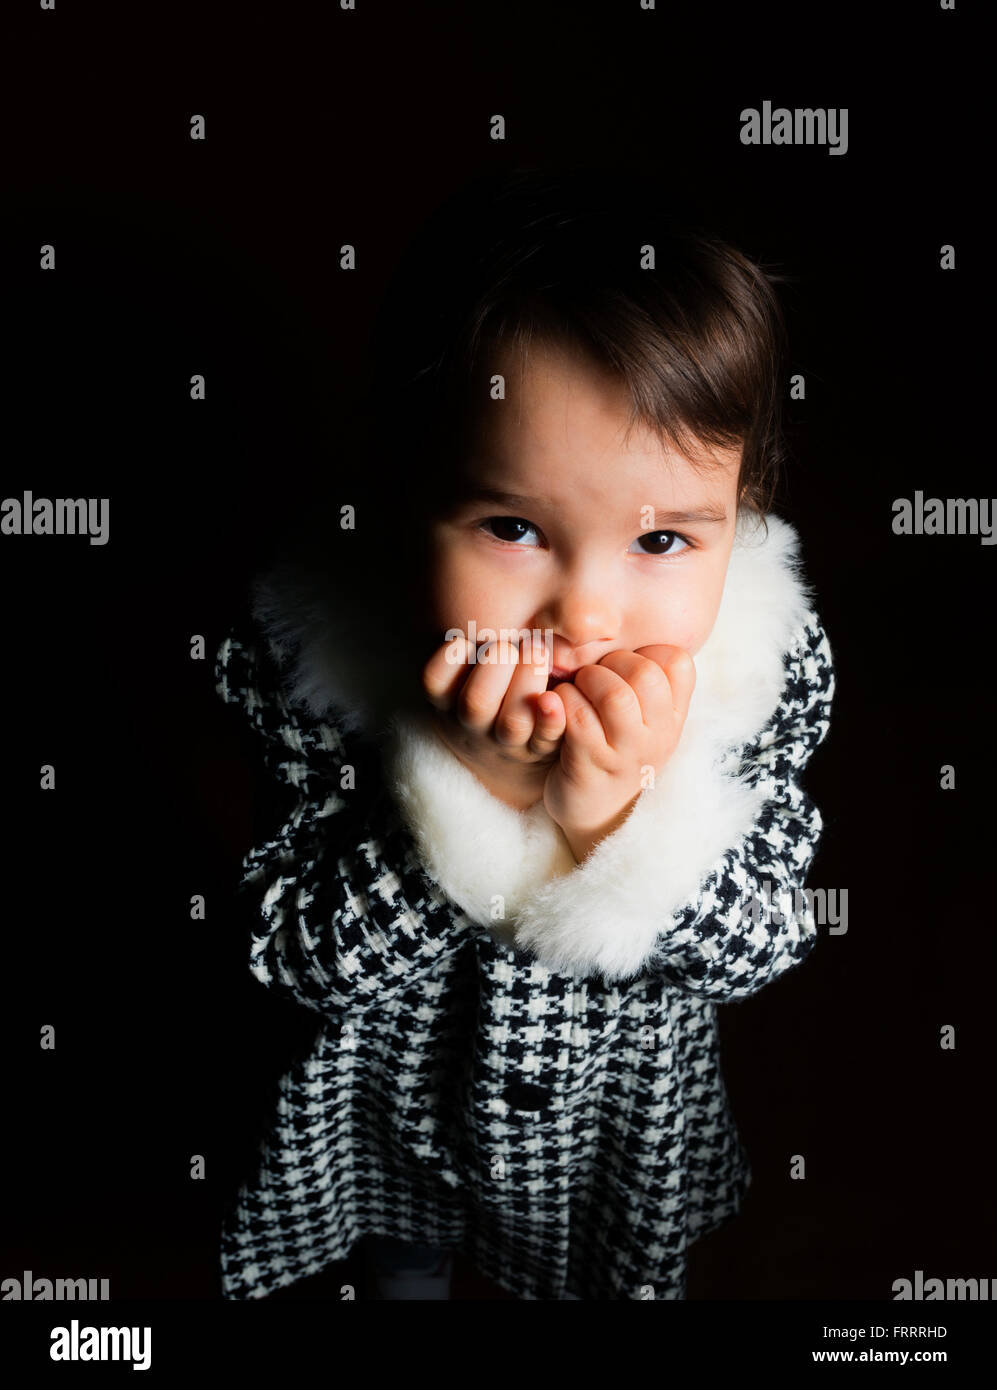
(523, 1095)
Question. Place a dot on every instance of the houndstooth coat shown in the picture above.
(516, 1056)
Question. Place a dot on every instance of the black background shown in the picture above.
(222, 257)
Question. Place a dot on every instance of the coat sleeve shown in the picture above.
(746, 921)
(344, 912)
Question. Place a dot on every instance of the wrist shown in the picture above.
(517, 784)
(516, 787)
(583, 839)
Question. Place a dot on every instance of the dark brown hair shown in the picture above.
(698, 341)
(533, 256)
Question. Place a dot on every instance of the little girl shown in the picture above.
(519, 875)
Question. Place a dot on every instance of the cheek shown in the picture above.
(704, 614)
(684, 617)
(458, 588)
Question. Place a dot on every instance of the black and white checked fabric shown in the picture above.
(568, 1136)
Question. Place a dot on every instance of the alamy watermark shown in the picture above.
(30, 1287)
(486, 645)
(777, 907)
(944, 516)
(801, 126)
(984, 1290)
(28, 515)
(76, 1343)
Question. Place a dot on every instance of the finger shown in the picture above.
(546, 707)
(481, 695)
(582, 723)
(551, 720)
(615, 702)
(445, 671)
(680, 669)
(517, 716)
(648, 682)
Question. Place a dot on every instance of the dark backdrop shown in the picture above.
(222, 257)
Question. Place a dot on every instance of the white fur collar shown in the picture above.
(512, 871)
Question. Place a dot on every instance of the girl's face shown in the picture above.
(566, 529)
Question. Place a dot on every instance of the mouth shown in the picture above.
(559, 677)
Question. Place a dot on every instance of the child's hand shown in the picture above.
(488, 714)
(624, 714)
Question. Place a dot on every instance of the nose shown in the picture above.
(585, 610)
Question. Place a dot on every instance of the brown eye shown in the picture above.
(662, 543)
(508, 528)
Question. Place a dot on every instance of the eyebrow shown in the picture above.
(713, 515)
